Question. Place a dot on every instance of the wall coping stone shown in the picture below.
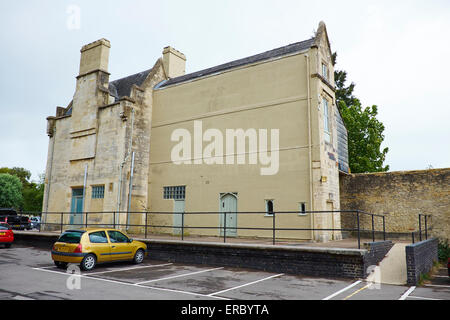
(336, 251)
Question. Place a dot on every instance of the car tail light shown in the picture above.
(78, 249)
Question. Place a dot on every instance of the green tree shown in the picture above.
(33, 197)
(32, 192)
(365, 131)
(10, 191)
(23, 174)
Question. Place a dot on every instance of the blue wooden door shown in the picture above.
(178, 209)
(76, 215)
(228, 216)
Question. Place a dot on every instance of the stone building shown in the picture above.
(259, 134)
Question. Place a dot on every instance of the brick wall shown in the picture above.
(326, 262)
(419, 259)
(401, 196)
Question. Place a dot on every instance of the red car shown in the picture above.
(6, 235)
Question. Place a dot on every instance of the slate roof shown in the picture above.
(122, 87)
(342, 144)
(274, 53)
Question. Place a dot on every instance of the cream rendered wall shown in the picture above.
(270, 95)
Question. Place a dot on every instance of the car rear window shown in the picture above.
(71, 236)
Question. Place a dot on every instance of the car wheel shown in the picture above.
(139, 256)
(60, 265)
(88, 263)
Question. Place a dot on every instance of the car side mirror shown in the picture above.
(130, 240)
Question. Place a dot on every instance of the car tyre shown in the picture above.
(139, 256)
(88, 263)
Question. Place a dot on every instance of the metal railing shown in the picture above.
(224, 230)
(427, 227)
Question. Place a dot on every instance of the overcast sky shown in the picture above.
(396, 52)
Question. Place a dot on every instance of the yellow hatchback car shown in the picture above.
(89, 246)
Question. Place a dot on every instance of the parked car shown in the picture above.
(16, 221)
(89, 246)
(35, 222)
(6, 234)
(448, 266)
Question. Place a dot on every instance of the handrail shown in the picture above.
(224, 228)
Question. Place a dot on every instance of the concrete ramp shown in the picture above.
(392, 269)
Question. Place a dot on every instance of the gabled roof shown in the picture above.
(274, 53)
(122, 87)
(322, 31)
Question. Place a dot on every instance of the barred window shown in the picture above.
(177, 193)
(98, 192)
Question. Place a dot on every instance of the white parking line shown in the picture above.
(130, 284)
(126, 269)
(53, 271)
(342, 290)
(22, 298)
(178, 276)
(423, 298)
(179, 291)
(244, 285)
(407, 293)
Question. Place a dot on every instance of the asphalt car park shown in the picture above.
(29, 273)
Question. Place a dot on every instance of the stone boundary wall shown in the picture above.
(401, 197)
(419, 259)
(309, 261)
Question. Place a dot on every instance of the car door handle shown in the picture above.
(113, 246)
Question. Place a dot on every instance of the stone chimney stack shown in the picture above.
(91, 92)
(94, 57)
(174, 62)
